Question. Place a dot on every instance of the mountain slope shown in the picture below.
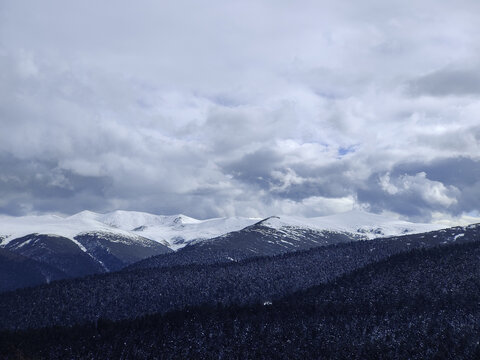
(17, 271)
(114, 252)
(87, 253)
(57, 251)
(276, 235)
(255, 240)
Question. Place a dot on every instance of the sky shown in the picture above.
(241, 108)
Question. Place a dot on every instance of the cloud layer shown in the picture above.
(240, 108)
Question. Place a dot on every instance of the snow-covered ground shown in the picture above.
(178, 230)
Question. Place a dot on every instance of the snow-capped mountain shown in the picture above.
(176, 231)
(76, 245)
(120, 227)
(281, 234)
(68, 227)
(88, 242)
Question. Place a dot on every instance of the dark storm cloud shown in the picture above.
(246, 108)
(458, 171)
(405, 204)
(447, 82)
(331, 181)
(284, 178)
(255, 168)
(40, 185)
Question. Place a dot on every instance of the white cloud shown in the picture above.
(447, 220)
(432, 192)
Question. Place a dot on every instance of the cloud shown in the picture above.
(421, 189)
(240, 109)
(255, 168)
(431, 192)
(37, 185)
(448, 81)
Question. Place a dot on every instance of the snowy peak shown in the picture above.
(179, 230)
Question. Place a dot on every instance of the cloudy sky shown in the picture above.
(248, 108)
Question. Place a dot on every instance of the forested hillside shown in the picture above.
(252, 241)
(422, 304)
(18, 271)
(259, 239)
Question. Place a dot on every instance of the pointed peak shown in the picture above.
(267, 219)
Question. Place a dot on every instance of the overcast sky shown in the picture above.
(248, 108)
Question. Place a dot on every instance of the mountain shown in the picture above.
(87, 253)
(281, 234)
(67, 246)
(172, 231)
(88, 243)
(135, 293)
(176, 231)
(259, 239)
(356, 222)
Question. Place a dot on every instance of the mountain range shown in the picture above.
(90, 243)
(141, 286)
